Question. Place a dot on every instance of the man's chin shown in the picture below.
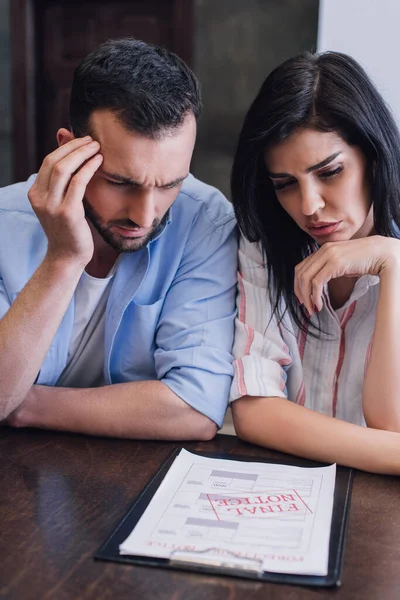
(127, 245)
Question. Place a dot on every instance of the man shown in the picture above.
(118, 274)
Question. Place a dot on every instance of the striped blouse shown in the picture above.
(325, 374)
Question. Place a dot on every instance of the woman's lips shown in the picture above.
(323, 229)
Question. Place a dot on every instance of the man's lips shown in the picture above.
(131, 232)
(322, 228)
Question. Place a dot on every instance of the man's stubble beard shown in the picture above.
(116, 242)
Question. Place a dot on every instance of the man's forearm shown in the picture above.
(140, 410)
(29, 326)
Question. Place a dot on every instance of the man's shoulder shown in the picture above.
(199, 200)
(14, 198)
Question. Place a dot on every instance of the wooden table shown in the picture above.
(61, 495)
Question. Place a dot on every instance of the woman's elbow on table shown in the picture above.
(258, 419)
(384, 422)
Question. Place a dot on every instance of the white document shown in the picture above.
(276, 514)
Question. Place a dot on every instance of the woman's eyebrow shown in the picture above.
(323, 163)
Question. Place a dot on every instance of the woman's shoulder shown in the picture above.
(252, 265)
(251, 251)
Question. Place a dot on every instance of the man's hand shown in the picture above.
(56, 197)
(371, 255)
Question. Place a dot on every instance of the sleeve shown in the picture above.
(4, 299)
(261, 356)
(195, 332)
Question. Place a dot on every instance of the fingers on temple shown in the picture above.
(59, 166)
(79, 181)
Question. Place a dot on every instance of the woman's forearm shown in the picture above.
(282, 425)
(381, 392)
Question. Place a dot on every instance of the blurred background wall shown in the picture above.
(236, 43)
(368, 30)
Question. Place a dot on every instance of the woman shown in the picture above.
(316, 190)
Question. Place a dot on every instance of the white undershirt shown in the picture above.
(86, 350)
(88, 294)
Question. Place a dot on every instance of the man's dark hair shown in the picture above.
(149, 89)
(325, 92)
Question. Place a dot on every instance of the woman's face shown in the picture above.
(323, 184)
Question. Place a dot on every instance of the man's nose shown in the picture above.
(142, 209)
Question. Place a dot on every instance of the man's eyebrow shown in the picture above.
(174, 183)
(119, 178)
(129, 181)
(319, 165)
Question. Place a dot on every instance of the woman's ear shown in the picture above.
(64, 136)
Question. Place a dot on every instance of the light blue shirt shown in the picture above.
(170, 312)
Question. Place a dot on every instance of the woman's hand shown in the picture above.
(372, 255)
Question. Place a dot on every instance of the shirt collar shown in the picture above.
(161, 228)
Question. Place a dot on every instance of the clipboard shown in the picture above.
(195, 562)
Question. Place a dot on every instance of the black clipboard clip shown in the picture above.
(227, 562)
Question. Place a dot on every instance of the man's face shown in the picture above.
(129, 196)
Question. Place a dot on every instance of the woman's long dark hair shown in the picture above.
(326, 92)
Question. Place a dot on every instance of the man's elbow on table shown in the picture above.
(205, 429)
(8, 404)
(184, 421)
(180, 420)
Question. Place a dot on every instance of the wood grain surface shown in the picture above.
(61, 496)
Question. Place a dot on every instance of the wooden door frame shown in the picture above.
(24, 75)
(23, 87)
